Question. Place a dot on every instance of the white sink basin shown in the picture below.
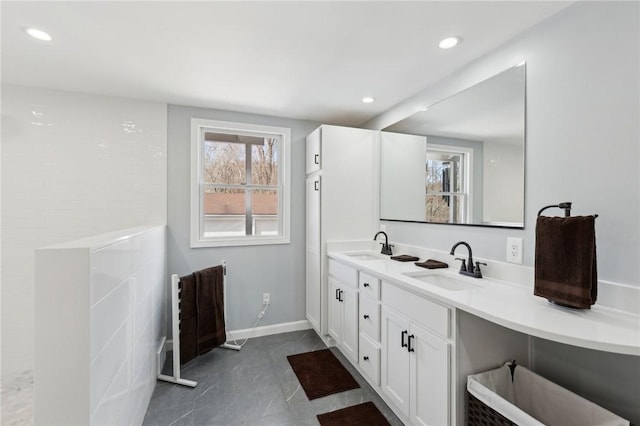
(365, 256)
(444, 281)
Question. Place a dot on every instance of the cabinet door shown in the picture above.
(429, 378)
(335, 311)
(313, 288)
(313, 151)
(395, 359)
(349, 342)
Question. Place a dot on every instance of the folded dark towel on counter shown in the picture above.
(405, 258)
(565, 260)
(432, 264)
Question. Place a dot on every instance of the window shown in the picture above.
(447, 184)
(240, 184)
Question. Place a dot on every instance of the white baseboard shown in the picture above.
(265, 330)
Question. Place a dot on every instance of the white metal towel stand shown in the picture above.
(175, 319)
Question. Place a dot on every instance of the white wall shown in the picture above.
(73, 165)
(112, 326)
(252, 270)
(582, 132)
(503, 182)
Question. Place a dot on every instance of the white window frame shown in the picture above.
(467, 194)
(198, 125)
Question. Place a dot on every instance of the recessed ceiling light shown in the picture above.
(368, 99)
(449, 42)
(38, 34)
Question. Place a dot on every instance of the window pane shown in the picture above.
(444, 172)
(264, 163)
(264, 203)
(224, 162)
(445, 208)
(224, 212)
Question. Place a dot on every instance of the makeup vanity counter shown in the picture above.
(508, 304)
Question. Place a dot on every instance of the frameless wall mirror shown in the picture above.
(461, 160)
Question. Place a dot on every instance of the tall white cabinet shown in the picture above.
(341, 204)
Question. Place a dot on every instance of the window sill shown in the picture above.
(234, 242)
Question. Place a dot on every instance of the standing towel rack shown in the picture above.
(175, 320)
(566, 206)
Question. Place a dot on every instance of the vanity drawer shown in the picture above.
(423, 311)
(369, 359)
(369, 285)
(370, 317)
(343, 273)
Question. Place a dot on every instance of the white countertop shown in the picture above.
(513, 306)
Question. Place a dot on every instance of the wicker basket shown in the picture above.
(517, 396)
(479, 414)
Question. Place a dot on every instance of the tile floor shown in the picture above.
(255, 386)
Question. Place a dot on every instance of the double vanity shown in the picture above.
(415, 334)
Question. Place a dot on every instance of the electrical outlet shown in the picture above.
(514, 250)
(266, 299)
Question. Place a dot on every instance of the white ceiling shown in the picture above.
(490, 111)
(304, 60)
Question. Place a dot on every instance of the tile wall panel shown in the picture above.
(72, 165)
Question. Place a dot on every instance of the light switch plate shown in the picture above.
(514, 250)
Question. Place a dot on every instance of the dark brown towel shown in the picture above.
(404, 258)
(432, 264)
(565, 260)
(188, 319)
(210, 308)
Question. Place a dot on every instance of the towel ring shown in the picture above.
(566, 206)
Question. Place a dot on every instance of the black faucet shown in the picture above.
(386, 247)
(467, 268)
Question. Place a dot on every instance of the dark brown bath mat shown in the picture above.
(321, 374)
(358, 415)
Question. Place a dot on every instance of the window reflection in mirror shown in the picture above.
(446, 188)
(460, 161)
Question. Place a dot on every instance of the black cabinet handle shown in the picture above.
(366, 358)
(340, 295)
(365, 316)
(402, 336)
(366, 284)
(410, 348)
(315, 185)
(337, 292)
(316, 159)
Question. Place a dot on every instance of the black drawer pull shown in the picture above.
(315, 185)
(402, 336)
(366, 358)
(365, 316)
(366, 284)
(337, 294)
(410, 348)
(316, 159)
(340, 295)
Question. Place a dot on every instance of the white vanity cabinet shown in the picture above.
(341, 203)
(415, 359)
(343, 309)
(369, 326)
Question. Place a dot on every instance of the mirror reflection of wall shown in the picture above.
(461, 161)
